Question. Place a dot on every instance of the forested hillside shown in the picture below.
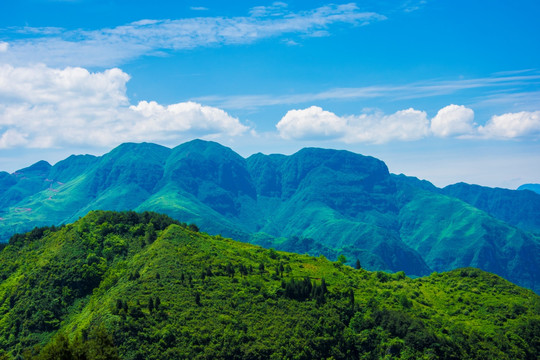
(144, 286)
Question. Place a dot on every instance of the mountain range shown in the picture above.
(316, 201)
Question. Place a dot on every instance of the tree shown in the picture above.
(273, 254)
(59, 349)
(261, 268)
(198, 299)
(243, 270)
(229, 269)
(136, 312)
(357, 266)
(150, 305)
(342, 259)
(150, 234)
(100, 345)
(119, 304)
(351, 297)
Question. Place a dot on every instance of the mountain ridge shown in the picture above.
(336, 201)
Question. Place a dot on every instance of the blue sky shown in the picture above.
(444, 90)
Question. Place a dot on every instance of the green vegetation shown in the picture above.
(143, 286)
(316, 201)
(518, 208)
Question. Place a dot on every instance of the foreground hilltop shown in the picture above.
(144, 286)
(316, 201)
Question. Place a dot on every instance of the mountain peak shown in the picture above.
(41, 166)
(131, 148)
(206, 148)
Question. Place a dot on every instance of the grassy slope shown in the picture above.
(69, 281)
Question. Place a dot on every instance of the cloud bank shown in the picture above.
(405, 125)
(42, 107)
(114, 46)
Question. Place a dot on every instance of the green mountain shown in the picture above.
(531, 187)
(518, 208)
(316, 201)
(144, 286)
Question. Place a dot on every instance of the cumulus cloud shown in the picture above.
(314, 122)
(113, 46)
(43, 85)
(405, 125)
(512, 125)
(453, 120)
(42, 107)
(3, 46)
(187, 116)
(311, 123)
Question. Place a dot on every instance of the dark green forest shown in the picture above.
(126, 285)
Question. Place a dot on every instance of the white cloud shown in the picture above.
(3, 46)
(109, 47)
(512, 125)
(404, 125)
(311, 123)
(43, 85)
(315, 123)
(42, 107)
(453, 120)
(186, 116)
(12, 138)
(276, 9)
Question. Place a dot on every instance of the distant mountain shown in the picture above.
(144, 286)
(532, 187)
(317, 201)
(518, 208)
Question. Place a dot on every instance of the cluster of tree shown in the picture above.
(33, 235)
(95, 344)
(302, 290)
